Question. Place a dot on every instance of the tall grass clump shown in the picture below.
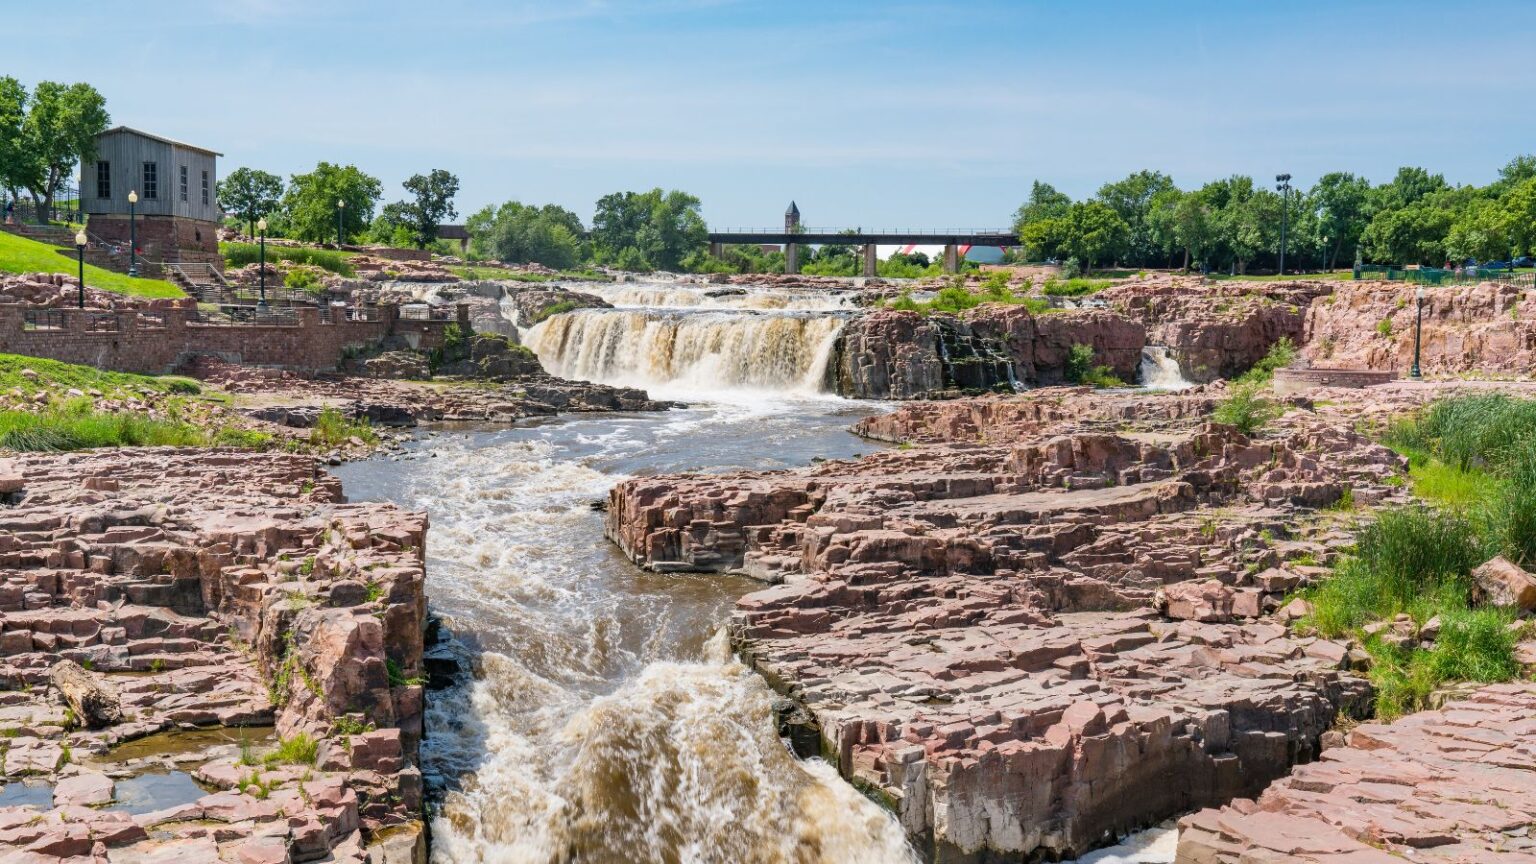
(1484, 431)
(241, 254)
(72, 428)
(1473, 645)
(1246, 408)
(1055, 287)
(332, 429)
(1413, 559)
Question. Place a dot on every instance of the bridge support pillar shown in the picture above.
(791, 258)
(716, 250)
(951, 258)
(871, 260)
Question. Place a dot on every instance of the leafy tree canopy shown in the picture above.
(310, 203)
(655, 229)
(250, 194)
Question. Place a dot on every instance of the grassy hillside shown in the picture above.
(20, 255)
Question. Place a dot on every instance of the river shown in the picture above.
(607, 720)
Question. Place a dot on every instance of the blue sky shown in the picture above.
(933, 115)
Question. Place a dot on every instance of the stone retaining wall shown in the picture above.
(1298, 380)
(157, 342)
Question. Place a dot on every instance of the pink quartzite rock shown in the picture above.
(1504, 583)
(1453, 785)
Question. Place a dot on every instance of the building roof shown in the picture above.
(161, 138)
(793, 210)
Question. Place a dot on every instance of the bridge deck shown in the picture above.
(879, 238)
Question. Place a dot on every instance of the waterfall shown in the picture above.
(1159, 371)
(722, 297)
(693, 354)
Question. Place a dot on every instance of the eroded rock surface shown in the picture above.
(1453, 785)
(1053, 622)
(151, 590)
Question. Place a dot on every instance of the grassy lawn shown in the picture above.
(56, 376)
(20, 255)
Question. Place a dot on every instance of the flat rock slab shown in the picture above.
(1453, 785)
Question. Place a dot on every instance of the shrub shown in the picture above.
(1071, 269)
(1384, 327)
(1073, 287)
(301, 749)
(554, 309)
(1080, 369)
(304, 279)
(1280, 355)
(1246, 409)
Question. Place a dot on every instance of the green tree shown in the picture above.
(1520, 204)
(1484, 230)
(1407, 187)
(63, 121)
(310, 202)
(1094, 232)
(250, 194)
(1044, 203)
(1343, 207)
(1131, 198)
(520, 233)
(1414, 234)
(13, 116)
(662, 229)
(431, 202)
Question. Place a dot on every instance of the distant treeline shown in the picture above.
(1233, 224)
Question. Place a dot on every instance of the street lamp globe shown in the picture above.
(341, 202)
(80, 238)
(133, 197)
(261, 224)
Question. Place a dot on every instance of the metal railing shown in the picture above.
(1443, 276)
(151, 320)
(101, 322)
(42, 319)
(237, 315)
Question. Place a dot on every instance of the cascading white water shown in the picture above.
(607, 722)
(653, 295)
(691, 354)
(1159, 371)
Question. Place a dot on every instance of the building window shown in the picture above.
(103, 179)
(205, 189)
(183, 188)
(151, 181)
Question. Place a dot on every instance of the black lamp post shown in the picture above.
(1418, 329)
(80, 240)
(261, 229)
(341, 205)
(133, 236)
(1283, 186)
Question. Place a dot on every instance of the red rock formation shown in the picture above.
(972, 625)
(1489, 328)
(237, 590)
(1453, 785)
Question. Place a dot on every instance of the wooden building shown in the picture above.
(177, 213)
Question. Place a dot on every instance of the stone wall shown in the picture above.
(156, 342)
(159, 237)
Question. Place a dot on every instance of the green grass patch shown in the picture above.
(554, 309)
(301, 749)
(20, 255)
(1451, 487)
(955, 298)
(1073, 287)
(1280, 355)
(241, 254)
(54, 375)
(332, 429)
(73, 429)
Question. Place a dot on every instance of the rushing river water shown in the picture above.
(607, 721)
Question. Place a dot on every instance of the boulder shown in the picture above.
(1501, 582)
(94, 701)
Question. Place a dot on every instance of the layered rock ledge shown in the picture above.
(1453, 785)
(147, 592)
(1057, 622)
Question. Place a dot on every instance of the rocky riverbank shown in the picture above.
(151, 591)
(1017, 634)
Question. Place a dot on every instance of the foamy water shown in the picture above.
(607, 720)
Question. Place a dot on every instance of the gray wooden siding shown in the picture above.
(127, 154)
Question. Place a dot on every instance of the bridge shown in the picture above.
(794, 235)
